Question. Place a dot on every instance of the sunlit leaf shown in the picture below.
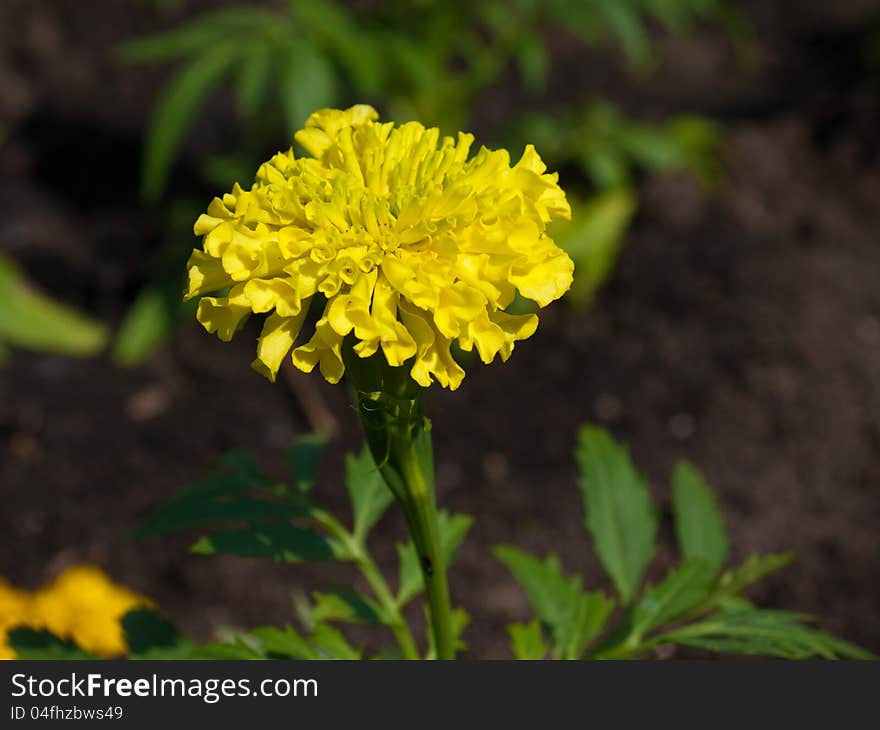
(527, 640)
(619, 514)
(699, 525)
(346, 606)
(767, 633)
(573, 617)
(680, 591)
(286, 642)
(330, 643)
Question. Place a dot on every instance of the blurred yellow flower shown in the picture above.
(81, 604)
(411, 243)
(14, 611)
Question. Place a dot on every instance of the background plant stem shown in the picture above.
(368, 568)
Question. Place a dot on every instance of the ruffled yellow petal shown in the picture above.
(433, 359)
(223, 315)
(546, 281)
(206, 274)
(324, 349)
(275, 341)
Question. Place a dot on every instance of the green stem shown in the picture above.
(389, 404)
(421, 516)
(368, 568)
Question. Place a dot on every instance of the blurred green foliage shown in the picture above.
(428, 60)
(31, 320)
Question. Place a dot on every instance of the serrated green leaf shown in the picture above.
(304, 458)
(281, 542)
(527, 640)
(679, 592)
(370, 496)
(751, 571)
(699, 525)
(619, 514)
(766, 633)
(31, 320)
(40, 644)
(224, 498)
(452, 530)
(175, 109)
(187, 513)
(332, 644)
(573, 617)
(284, 642)
(346, 606)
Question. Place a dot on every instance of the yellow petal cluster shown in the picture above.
(81, 604)
(409, 242)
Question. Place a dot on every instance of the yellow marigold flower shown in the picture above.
(84, 605)
(411, 243)
(14, 611)
(81, 604)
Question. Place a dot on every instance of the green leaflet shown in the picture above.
(680, 591)
(370, 496)
(304, 458)
(768, 633)
(619, 514)
(573, 617)
(281, 542)
(699, 526)
(527, 640)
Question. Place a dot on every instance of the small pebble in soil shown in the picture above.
(147, 403)
(608, 408)
(682, 426)
(495, 466)
(868, 330)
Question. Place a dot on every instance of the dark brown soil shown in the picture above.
(741, 331)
